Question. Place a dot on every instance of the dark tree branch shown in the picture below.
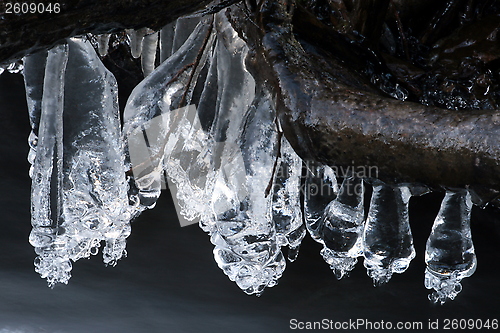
(21, 34)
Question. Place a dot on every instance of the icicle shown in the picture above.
(15, 67)
(34, 71)
(103, 44)
(148, 108)
(95, 202)
(320, 190)
(79, 193)
(48, 234)
(343, 223)
(245, 242)
(148, 56)
(449, 253)
(287, 213)
(136, 37)
(335, 219)
(387, 239)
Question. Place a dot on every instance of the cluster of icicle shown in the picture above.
(229, 164)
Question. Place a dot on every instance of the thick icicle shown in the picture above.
(343, 223)
(148, 113)
(449, 253)
(335, 216)
(148, 56)
(244, 235)
(287, 213)
(79, 192)
(34, 72)
(387, 239)
(184, 27)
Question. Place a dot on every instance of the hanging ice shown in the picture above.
(34, 72)
(343, 223)
(148, 56)
(449, 253)
(387, 239)
(335, 216)
(320, 190)
(287, 212)
(79, 193)
(103, 44)
(148, 114)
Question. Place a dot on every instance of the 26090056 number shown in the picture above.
(32, 7)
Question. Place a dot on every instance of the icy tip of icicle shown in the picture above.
(54, 268)
(341, 265)
(446, 287)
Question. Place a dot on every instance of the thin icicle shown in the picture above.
(449, 253)
(167, 34)
(135, 38)
(148, 56)
(103, 44)
(387, 239)
(287, 213)
(48, 235)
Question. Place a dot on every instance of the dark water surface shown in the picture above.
(170, 282)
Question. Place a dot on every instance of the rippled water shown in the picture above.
(170, 282)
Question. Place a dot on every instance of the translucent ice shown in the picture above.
(79, 191)
(335, 216)
(449, 253)
(135, 38)
(103, 44)
(148, 56)
(387, 239)
(343, 223)
(320, 190)
(148, 113)
(244, 234)
(287, 212)
(34, 72)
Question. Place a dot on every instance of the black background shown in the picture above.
(170, 283)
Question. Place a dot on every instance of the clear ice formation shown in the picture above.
(135, 39)
(203, 120)
(148, 113)
(449, 253)
(387, 241)
(335, 217)
(103, 44)
(287, 212)
(79, 191)
(148, 55)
